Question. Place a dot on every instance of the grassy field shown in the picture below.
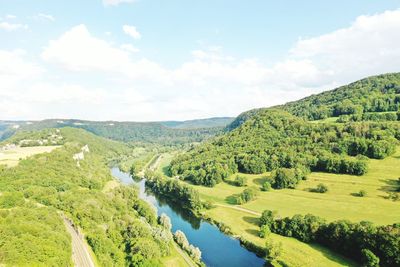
(295, 253)
(12, 156)
(339, 202)
(164, 161)
(176, 259)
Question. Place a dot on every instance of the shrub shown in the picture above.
(273, 250)
(240, 181)
(321, 188)
(247, 195)
(266, 186)
(361, 193)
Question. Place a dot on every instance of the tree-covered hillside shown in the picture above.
(121, 229)
(268, 139)
(200, 123)
(373, 94)
(169, 132)
(274, 139)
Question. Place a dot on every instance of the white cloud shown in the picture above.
(10, 16)
(129, 48)
(44, 17)
(78, 50)
(116, 2)
(369, 46)
(211, 83)
(131, 31)
(12, 26)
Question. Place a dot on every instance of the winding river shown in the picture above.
(218, 249)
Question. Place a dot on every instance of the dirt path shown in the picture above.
(239, 208)
(151, 165)
(184, 256)
(80, 254)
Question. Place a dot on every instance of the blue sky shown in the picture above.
(157, 60)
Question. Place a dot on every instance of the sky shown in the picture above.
(152, 60)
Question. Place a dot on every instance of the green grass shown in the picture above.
(295, 253)
(338, 203)
(174, 259)
(164, 161)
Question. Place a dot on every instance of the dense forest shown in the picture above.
(167, 132)
(373, 94)
(273, 139)
(121, 229)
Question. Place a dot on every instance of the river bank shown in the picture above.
(218, 249)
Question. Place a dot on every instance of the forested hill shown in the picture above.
(200, 123)
(376, 98)
(169, 132)
(74, 180)
(373, 94)
(268, 139)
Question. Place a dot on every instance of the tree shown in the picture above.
(273, 250)
(267, 218)
(264, 231)
(181, 240)
(286, 178)
(165, 221)
(369, 259)
(194, 252)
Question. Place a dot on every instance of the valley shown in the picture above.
(277, 186)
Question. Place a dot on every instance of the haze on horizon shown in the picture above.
(148, 60)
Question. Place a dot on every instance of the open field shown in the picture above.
(12, 156)
(295, 253)
(334, 119)
(244, 223)
(339, 202)
(163, 163)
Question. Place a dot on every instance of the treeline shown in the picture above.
(386, 116)
(178, 192)
(273, 139)
(374, 94)
(363, 242)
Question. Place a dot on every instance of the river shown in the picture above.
(218, 249)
